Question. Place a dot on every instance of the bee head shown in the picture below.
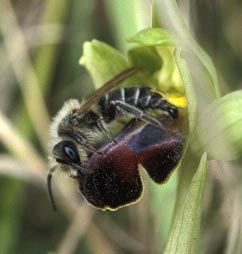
(65, 154)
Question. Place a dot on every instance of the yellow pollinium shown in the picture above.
(178, 100)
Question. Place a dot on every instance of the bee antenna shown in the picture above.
(51, 197)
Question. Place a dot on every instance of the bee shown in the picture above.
(103, 160)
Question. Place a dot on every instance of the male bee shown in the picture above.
(91, 147)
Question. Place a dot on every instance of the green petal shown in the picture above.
(184, 235)
(155, 53)
(146, 54)
(168, 76)
(145, 58)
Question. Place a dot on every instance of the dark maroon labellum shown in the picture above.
(115, 181)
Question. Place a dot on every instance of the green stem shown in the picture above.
(172, 18)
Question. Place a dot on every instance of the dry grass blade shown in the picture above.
(78, 227)
(17, 168)
(122, 238)
(18, 55)
(19, 146)
(44, 34)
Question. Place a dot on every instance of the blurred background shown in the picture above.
(40, 46)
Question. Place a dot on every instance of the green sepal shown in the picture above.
(103, 62)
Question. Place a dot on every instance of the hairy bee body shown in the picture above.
(105, 162)
(88, 129)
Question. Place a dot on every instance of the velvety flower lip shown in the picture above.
(115, 181)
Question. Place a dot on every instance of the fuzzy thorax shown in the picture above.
(66, 124)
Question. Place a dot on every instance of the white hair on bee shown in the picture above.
(67, 108)
(54, 138)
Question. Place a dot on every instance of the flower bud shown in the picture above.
(219, 129)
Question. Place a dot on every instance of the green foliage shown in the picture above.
(184, 235)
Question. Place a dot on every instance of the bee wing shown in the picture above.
(95, 96)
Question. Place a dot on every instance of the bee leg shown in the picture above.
(102, 127)
(79, 169)
(126, 108)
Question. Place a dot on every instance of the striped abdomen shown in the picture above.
(143, 98)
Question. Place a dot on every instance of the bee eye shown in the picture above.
(71, 153)
(66, 151)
